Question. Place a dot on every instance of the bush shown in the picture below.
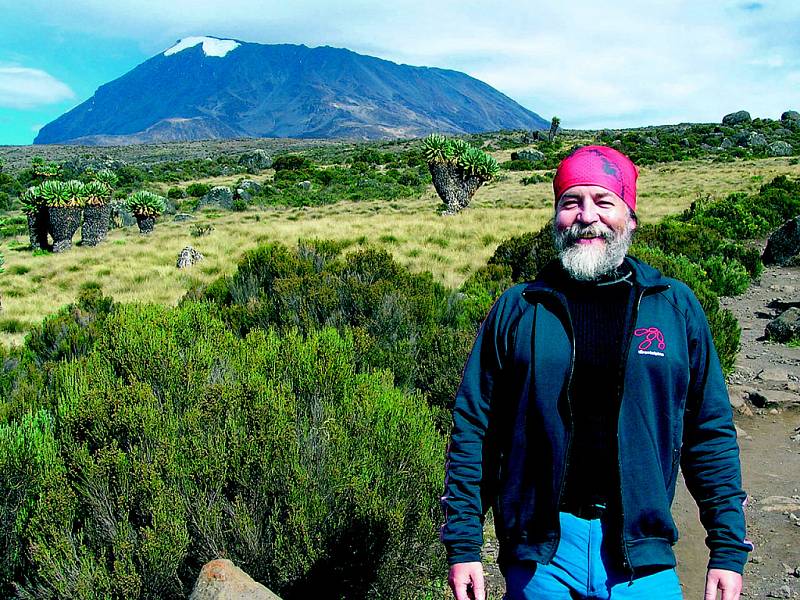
(175, 193)
(197, 190)
(291, 162)
(517, 165)
(526, 254)
(172, 442)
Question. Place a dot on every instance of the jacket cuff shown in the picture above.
(729, 560)
(464, 556)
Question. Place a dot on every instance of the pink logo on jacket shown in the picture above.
(651, 335)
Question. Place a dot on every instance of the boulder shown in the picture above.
(756, 140)
(737, 394)
(780, 148)
(786, 327)
(735, 118)
(783, 246)
(247, 189)
(222, 580)
(188, 257)
(220, 195)
(790, 116)
(529, 155)
(256, 160)
(182, 217)
(726, 144)
(304, 185)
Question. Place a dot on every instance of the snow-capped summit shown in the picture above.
(211, 46)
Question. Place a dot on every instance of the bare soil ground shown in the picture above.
(769, 439)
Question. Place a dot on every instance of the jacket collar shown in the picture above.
(645, 277)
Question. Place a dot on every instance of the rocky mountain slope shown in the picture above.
(207, 88)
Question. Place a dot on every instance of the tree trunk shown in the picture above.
(454, 190)
(95, 224)
(64, 222)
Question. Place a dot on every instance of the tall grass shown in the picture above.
(130, 267)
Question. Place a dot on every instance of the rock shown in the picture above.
(726, 144)
(785, 328)
(782, 592)
(737, 395)
(742, 434)
(774, 399)
(256, 160)
(220, 195)
(188, 257)
(783, 246)
(735, 118)
(222, 580)
(304, 185)
(756, 140)
(779, 375)
(651, 141)
(780, 504)
(530, 154)
(780, 148)
(181, 217)
(790, 116)
(247, 189)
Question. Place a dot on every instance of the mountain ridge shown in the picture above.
(283, 90)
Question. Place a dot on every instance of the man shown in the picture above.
(584, 392)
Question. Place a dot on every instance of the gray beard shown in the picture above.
(589, 263)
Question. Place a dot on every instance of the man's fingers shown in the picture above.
(711, 588)
(478, 591)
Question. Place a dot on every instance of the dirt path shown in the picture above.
(769, 439)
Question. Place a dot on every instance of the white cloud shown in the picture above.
(588, 62)
(23, 88)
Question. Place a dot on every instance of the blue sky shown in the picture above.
(594, 64)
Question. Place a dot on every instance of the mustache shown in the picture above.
(576, 231)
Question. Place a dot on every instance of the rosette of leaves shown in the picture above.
(107, 178)
(96, 193)
(145, 204)
(44, 170)
(75, 192)
(458, 169)
(53, 193)
(30, 200)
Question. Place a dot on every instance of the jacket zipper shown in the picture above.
(626, 560)
(571, 420)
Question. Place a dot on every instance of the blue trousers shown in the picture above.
(580, 570)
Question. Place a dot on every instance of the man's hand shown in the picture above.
(727, 582)
(466, 581)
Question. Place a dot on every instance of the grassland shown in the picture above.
(131, 267)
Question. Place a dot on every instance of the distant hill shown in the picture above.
(209, 88)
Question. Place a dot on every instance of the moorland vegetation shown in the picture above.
(290, 412)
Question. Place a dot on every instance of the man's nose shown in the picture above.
(587, 213)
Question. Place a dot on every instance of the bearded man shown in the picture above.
(584, 393)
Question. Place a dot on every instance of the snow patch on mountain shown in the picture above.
(211, 46)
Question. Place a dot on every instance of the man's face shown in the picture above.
(593, 229)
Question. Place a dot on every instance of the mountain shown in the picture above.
(204, 87)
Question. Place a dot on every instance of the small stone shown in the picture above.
(774, 399)
(756, 560)
(222, 580)
(779, 375)
(188, 257)
(737, 395)
(745, 410)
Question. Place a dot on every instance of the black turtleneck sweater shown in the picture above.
(600, 312)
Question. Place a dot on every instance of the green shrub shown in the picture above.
(291, 162)
(197, 190)
(526, 254)
(176, 193)
(172, 442)
(517, 165)
(728, 277)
